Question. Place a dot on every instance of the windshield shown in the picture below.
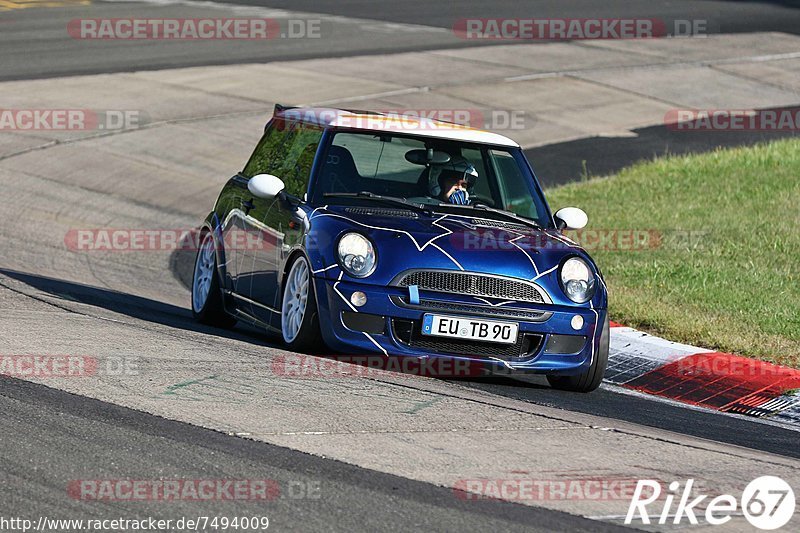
(428, 171)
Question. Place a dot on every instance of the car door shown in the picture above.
(273, 227)
(229, 209)
(243, 213)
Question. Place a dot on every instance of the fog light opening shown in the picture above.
(576, 322)
(358, 298)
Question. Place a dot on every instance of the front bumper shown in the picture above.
(543, 329)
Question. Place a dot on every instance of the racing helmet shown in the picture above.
(458, 168)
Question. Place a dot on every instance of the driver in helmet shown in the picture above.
(452, 181)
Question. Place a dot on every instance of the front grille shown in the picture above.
(474, 285)
(409, 332)
(505, 312)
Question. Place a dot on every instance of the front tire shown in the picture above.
(207, 303)
(591, 379)
(299, 313)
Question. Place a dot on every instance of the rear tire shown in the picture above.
(591, 379)
(207, 303)
(299, 313)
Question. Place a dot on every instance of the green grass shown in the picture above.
(733, 285)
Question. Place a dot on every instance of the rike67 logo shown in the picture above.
(767, 503)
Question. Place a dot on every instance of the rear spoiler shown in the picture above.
(280, 108)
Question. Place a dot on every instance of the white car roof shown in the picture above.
(327, 117)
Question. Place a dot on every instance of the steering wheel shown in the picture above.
(478, 199)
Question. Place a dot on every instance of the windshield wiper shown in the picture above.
(391, 200)
(507, 214)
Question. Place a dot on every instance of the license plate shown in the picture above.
(470, 329)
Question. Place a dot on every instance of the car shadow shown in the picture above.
(181, 318)
(137, 307)
(181, 264)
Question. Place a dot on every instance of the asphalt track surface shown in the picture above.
(37, 46)
(34, 44)
(49, 437)
(67, 436)
(607, 402)
(723, 16)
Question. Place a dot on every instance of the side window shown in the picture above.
(271, 149)
(286, 152)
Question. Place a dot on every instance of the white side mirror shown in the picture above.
(265, 186)
(571, 218)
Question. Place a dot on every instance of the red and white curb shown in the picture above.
(704, 378)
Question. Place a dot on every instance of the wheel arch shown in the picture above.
(293, 254)
(209, 226)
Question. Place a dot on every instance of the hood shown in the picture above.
(405, 239)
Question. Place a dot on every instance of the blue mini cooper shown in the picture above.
(368, 233)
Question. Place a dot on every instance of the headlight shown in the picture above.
(577, 280)
(356, 255)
